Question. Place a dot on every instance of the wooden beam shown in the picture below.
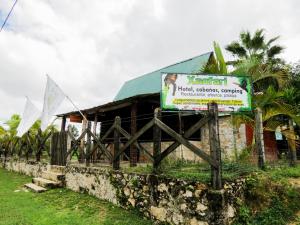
(185, 142)
(63, 123)
(259, 138)
(116, 161)
(214, 142)
(82, 140)
(187, 134)
(136, 136)
(133, 128)
(138, 145)
(156, 140)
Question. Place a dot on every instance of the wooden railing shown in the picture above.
(88, 147)
(27, 147)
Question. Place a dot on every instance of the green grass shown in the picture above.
(57, 206)
(196, 171)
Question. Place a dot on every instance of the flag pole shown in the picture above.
(76, 107)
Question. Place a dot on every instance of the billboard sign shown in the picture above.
(194, 92)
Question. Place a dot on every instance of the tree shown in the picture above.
(256, 46)
(258, 60)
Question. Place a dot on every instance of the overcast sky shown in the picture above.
(91, 47)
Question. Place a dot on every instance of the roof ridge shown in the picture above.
(169, 66)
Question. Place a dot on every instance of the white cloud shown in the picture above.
(90, 48)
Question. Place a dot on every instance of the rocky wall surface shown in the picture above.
(162, 199)
(30, 168)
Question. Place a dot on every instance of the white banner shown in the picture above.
(52, 99)
(30, 115)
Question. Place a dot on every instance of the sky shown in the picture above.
(90, 48)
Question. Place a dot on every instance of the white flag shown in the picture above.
(30, 115)
(52, 99)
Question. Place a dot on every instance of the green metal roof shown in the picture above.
(151, 83)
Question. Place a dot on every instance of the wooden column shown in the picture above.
(156, 142)
(133, 128)
(39, 139)
(116, 160)
(94, 156)
(95, 124)
(88, 146)
(81, 153)
(63, 123)
(214, 142)
(259, 138)
(292, 144)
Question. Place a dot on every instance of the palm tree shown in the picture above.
(268, 100)
(255, 46)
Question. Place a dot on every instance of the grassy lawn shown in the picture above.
(58, 206)
(196, 171)
(231, 170)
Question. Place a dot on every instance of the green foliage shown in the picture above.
(73, 129)
(256, 46)
(270, 199)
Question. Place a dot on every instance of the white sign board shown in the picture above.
(194, 92)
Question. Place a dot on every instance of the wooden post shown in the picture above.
(133, 127)
(95, 124)
(94, 156)
(292, 144)
(215, 150)
(259, 138)
(116, 160)
(69, 144)
(156, 141)
(81, 153)
(28, 145)
(63, 123)
(38, 153)
(88, 147)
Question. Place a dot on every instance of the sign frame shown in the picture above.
(249, 109)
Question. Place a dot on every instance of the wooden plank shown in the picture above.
(138, 145)
(133, 128)
(259, 138)
(136, 136)
(89, 145)
(102, 147)
(187, 134)
(108, 132)
(156, 141)
(82, 138)
(116, 160)
(63, 123)
(215, 150)
(186, 143)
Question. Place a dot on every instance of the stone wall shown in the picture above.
(30, 168)
(160, 198)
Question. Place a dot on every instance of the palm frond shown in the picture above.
(274, 50)
(245, 38)
(243, 118)
(236, 49)
(258, 40)
(220, 59)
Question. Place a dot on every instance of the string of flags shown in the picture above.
(53, 98)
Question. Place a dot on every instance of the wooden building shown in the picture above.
(135, 104)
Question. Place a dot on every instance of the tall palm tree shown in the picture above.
(255, 46)
(268, 101)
